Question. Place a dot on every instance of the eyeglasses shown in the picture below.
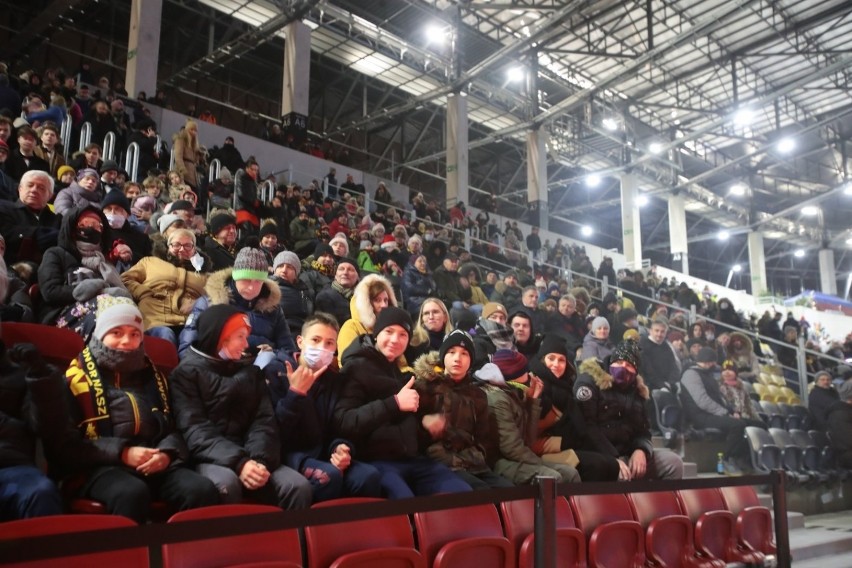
(182, 246)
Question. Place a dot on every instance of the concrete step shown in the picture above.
(821, 562)
(794, 520)
(820, 543)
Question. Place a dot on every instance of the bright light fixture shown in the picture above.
(743, 117)
(799, 253)
(515, 74)
(810, 210)
(642, 200)
(848, 190)
(738, 189)
(610, 124)
(737, 268)
(655, 147)
(786, 145)
(586, 231)
(593, 180)
(435, 34)
(723, 235)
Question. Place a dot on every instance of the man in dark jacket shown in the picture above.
(448, 284)
(224, 412)
(24, 490)
(821, 398)
(839, 420)
(145, 135)
(660, 367)
(23, 159)
(220, 246)
(526, 340)
(28, 225)
(304, 401)
(611, 397)
(335, 298)
(508, 292)
(296, 300)
(707, 408)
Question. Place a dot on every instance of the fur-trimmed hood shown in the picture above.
(428, 367)
(218, 289)
(744, 351)
(360, 306)
(603, 380)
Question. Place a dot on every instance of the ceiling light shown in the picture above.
(642, 200)
(593, 180)
(848, 190)
(435, 34)
(743, 117)
(786, 145)
(723, 235)
(810, 210)
(655, 147)
(799, 253)
(586, 231)
(515, 74)
(738, 189)
(849, 241)
(736, 268)
(610, 124)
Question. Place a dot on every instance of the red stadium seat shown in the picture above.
(470, 536)
(519, 522)
(162, 353)
(615, 539)
(715, 526)
(60, 524)
(385, 542)
(668, 532)
(280, 547)
(58, 345)
(754, 521)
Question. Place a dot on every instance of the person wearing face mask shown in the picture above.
(75, 271)
(108, 423)
(129, 244)
(225, 414)
(378, 407)
(611, 397)
(85, 191)
(304, 401)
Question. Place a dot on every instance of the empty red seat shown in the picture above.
(385, 542)
(60, 524)
(754, 521)
(715, 526)
(668, 532)
(615, 539)
(519, 522)
(279, 546)
(469, 536)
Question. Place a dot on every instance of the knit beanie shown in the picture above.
(287, 257)
(269, 228)
(323, 249)
(165, 221)
(553, 344)
(143, 203)
(250, 264)
(109, 166)
(181, 205)
(675, 336)
(116, 197)
(598, 323)
(347, 260)
(728, 365)
(456, 338)
(211, 325)
(66, 169)
(339, 238)
(626, 351)
(511, 363)
(219, 221)
(86, 172)
(233, 324)
(114, 311)
(492, 307)
(392, 315)
(706, 355)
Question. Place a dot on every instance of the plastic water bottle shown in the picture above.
(720, 463)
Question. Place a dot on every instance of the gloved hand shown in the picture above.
(27, 355)
(88, 289)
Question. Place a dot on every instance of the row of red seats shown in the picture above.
(689, 528)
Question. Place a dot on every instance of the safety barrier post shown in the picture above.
(85, 135)
(65, 136)
(109, 146)
(215, 168)
(545, 522)
(779, 506)
(131, 161)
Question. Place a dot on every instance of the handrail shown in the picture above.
(131, 161)
(213, 171)
(85, 135)
(109, 146)
(267, 191)
(65, 135)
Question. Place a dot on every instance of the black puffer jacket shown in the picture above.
(223, 408)
(367, 412)
(616, 423)
(17, 441)
(560, 415)
(296, 302)
(416, 287)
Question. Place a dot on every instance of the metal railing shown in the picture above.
(85, 135)
(109, 146)
(131, 161)
(65, 136)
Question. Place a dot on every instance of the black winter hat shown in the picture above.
(182, 205)
(553, 344)
(627, 350)
(116, 197)
(323, 249)
(392, 315)
(456, 338)
(269, 228)
(219, 221)
(706, 355)
(210, 325)
(109, 166)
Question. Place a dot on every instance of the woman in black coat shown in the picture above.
(417, 283)
(224, 412)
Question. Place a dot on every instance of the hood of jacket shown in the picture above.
(467, 267)
(744, 351)
(360, 306)
(65, 239)
(219, 289)
(604, 380)
(428, 367)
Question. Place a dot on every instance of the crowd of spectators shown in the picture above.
(327, 347)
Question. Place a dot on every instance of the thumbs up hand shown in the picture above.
(407, 398)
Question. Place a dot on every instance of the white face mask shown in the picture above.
(226, 355)
(116, 220)
(317, 358)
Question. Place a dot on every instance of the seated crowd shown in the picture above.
(325, 350)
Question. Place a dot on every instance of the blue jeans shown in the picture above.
(418, 476)
(359, 480)
(165, 332)
(26, 492)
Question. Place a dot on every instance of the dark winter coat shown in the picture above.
(296, 302)
(659, 366)
(449, 286)
(616, 423)
(839, 421)
(560, 415)
(819, 401)
(17, 439)
(219, 255)
(27, 236)
(367, 412)
(331, 301)
(416, 287)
